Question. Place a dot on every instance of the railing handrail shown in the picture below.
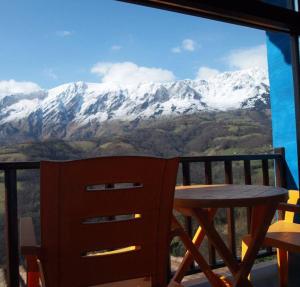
(202, 158)
(19, 165)
(242, 157)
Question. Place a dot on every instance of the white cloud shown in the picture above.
(64, 33)
(13, 87)
(189, 45)
(176, 50)
(116, 47)
(51, 74)
(247, 58)
(186, 45)
(128, 73)
(205, 73)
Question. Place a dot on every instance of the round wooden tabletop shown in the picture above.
(227, 195)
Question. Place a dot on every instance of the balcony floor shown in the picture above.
(262, 275)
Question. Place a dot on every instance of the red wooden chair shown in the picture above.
(102, 220)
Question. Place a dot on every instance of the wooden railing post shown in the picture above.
(280, 168)
(208, 180)
(248, 180)
(208, 172)
(247, 172)
(186, 180)
(11, 228)
(230, 211)
(265, 171)
(280, 172)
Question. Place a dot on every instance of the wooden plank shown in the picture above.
(19, 165)
(248, 181)
(249, 13)
(265, 171)
(261, 220)
(213, 158)
(230, 211)
(36, 164)
(125, 265)
(280, 168)
(226, 195)
(208, 172)
(11, 227)
(231, 230)
(186, 180)
(276, 155)
(98, 236)
(197, 240)
(228, 171)
(247, 171)
(186, 174)
(143, 282)
(280, 173)
(212, 234)
(208, 180)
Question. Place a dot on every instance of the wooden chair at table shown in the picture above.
(81, 244)
(283, 235)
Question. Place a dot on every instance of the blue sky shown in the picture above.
(47, 43)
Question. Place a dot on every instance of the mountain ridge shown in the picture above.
(63, 111)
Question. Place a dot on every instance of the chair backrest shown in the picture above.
(293, 199)
(81, 243)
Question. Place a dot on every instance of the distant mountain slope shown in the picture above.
(68, 110)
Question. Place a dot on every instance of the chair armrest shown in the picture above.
(289, 207)
(27, 238)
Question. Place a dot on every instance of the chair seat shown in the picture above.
(283, 235)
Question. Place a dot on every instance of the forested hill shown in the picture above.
(206, 133)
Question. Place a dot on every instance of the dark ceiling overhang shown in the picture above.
(251, 13)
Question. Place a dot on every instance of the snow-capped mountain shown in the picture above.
(60, 111)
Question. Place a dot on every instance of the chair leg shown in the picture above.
(244, 250)
(282, 260)
(33, 274)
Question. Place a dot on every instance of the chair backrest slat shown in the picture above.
(293, 199)
(106, 219)
(88, 234)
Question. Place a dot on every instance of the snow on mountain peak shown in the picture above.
(80, 103)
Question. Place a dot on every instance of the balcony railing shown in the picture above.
(277, 161)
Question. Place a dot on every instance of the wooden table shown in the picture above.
(202, 203)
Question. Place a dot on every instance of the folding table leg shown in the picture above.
(194, 254)
(216, 240)
(260, 222)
